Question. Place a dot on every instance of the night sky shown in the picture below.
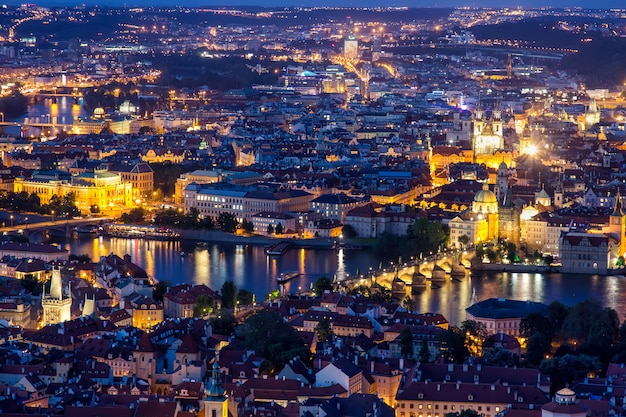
(345, 3)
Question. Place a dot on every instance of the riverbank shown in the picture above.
(217, 236)
(498, 267)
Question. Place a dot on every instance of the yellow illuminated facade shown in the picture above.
(103, 189)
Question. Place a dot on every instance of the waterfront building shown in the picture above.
(500, 315)
(333, 206)
(56, 306)
(480, 224)
(587, 253)
(243, 202)
(263, 220)
(102, 189)
(23, 250)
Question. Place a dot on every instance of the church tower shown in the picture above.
(617, 223)
(216, 400)
(56, 309)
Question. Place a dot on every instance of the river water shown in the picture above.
(250, 268)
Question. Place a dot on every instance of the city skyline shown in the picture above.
(346, 3)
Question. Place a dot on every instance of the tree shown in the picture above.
(348, 231)
(424, 354)
(500, 357)
(224, 323)
(583, 315)
(538, 345)
(468, 412)
(204, 306)
(321, 285)
(135, 215)
(279, 229)
(245, 297)
(270, 229)
(536, 323)
(247, 226)
(229, 294)
(323, 330)
(406, 343)
(159, 290)
(475, 334)
(408, 304)
(464, 240)
(227, 222)
(452, 345)
(566, 369)
(270, 336)
(557, 313)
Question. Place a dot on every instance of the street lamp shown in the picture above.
(11, 220)
(2, 115)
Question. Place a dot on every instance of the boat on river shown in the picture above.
(287, 276)
(136, 231)
(279, 248)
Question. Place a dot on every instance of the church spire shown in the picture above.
(215, 389)
(56, 285)
(617, 210)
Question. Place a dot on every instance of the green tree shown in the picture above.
(279, 229)
(408, 303)
(538, 345)
(475, 334)
(566, 369)
(468, 412)
(135, 215)
(500, 357)
(204, 306)
(227, 222)
(224, 323)
(424, 354)
(323, 330)
(159, 290)
(406, 343)
(536, 323)
(464, 240)
(271, 337)
(245, 297)
(247, 226)
(270, 229)
(229, 294)
(452, 345)
(322, 284)
(583, 315)
(557, 313)
(348, 231)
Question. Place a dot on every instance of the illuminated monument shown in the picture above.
(56, 308)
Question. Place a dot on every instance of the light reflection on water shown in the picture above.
(250, 268)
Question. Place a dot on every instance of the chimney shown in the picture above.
(493, 387)
(356, 359)
(438, 387)
(372, 367)
(450, 367)
(465, 367)
(402, 364)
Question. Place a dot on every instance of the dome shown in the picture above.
(485, 196)
(98, 112)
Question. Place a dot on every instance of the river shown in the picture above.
(250, 268)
